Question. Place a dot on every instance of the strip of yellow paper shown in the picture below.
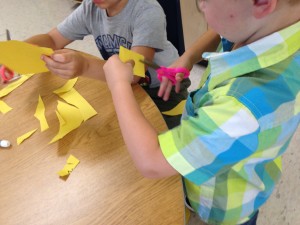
(22, 57)
(13, 85)
(25, 136)
(40, 114)
(72, 162)
(177, 110)
(74, 98)
(69, 118)
(67, 87)
(126, 55)
(4, 108)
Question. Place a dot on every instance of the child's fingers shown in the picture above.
(165, 88)
(131, 62)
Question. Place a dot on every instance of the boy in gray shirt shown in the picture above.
(138, 25)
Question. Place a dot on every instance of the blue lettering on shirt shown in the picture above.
(109, 45)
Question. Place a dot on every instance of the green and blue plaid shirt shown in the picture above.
(236, 127)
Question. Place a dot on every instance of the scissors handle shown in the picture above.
(170, 73)
(6, 74)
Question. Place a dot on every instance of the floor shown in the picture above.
(27, 17)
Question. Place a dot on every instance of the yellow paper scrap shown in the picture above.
(12, 86)
(40, 114)
(23, 57)
(25, 136)
(74, 98)
(177, 110)
(4, 108)
(126, 55)
(69, 118)
(72, 162)
(67, 87)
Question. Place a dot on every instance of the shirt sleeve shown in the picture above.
(74, 27)
(149, 28)
(209, 143)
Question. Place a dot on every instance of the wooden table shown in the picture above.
(105, 188)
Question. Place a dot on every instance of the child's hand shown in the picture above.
(166, 85)
(66, 63)
(117, 72)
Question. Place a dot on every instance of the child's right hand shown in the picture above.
(117, 72)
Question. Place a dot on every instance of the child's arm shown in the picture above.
(53, 39)
(67, 63)
(147, 52)
(206, 43)
(140, 137)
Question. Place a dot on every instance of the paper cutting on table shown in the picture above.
(22, 57)
(127, 55)
(67, 87)
(40, 114)
(4, 108)
(69, 118)
(25, 136)
(72, 162)
(12, 86)
(74, 98)
(177, 110)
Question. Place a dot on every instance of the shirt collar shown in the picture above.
(257, 55)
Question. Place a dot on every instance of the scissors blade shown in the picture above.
(150, 64)
(8, 38)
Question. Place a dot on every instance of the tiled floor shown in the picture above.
(27, 17)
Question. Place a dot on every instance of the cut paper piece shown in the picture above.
(15, 84)
(72, 162)
(40, 114)
(127, 55)
(22, 57)
(4, 108)
(177, 110)
(67, 87)
(74, 98)
(25, 136)
(69, 118)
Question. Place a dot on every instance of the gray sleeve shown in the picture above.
(150, 28)
(74, 27)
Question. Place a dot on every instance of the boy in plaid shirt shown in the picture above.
(239, 122)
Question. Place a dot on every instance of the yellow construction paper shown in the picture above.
(69, 118)
(67, 87)
(40, 114)
(4, 108)
(22, 57)
(13, 85)
(127, 55)
(25, 136)
(72, 162)
(74, 98)
(177, 110)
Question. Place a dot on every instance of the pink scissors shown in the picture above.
(6, 74)
(170, 73)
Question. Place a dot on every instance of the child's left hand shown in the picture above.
(66, 63)
(117, 72)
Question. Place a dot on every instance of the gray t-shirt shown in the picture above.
(140, 23)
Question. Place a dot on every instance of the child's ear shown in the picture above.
(263, 7)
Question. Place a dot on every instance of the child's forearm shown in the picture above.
(43, 40)
(139, 136)
(95, 67)
(208, 42)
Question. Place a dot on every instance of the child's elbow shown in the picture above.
(150, 171)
